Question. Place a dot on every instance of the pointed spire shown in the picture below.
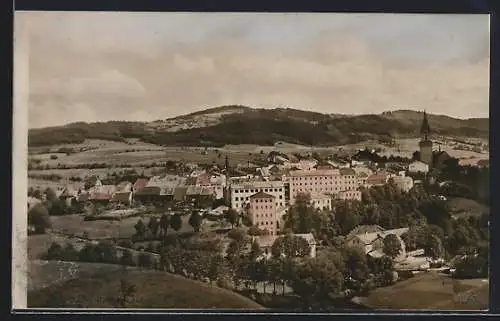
(425, 129)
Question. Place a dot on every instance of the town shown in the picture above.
(286, 230)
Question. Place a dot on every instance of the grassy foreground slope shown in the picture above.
(427, 291)
(154, 290)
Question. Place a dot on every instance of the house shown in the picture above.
(362, 178)
(362, 229)
(321, 201)
(373, 243)
(139, 183)
(103, 193)
(439, 159)
(147, 194)
(377, 179)
(124, 187)
(217, 183)
(403, 183)
(418, 167)
(122, 197)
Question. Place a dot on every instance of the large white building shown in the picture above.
(403, 183)
(418, 167)
(241, 192)
(329, 182)
(321, 201)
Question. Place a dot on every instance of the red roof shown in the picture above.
(382, 176)
(140, 183)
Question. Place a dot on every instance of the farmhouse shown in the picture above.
(372, 243)
(122, 198)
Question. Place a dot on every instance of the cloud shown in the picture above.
(330, 71)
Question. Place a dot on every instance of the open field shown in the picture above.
(39, 244)
(426, 291)
(83, 172)
(154, 290)
(42, 274)
(74, 224)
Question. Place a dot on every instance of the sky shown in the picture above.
(99, 66)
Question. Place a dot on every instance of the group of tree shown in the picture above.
(158, 228)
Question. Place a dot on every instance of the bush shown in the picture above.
(145, 260)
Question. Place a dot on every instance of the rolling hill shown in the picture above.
(244, 125)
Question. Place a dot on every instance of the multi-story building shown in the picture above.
(329, 182)
(321, 201)
(262, 212)
(349, 195)
(241, 192)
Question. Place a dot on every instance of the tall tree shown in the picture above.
(290, 246)
(153, 226)
(140, 228)
(317, 282)
(195, 221)
(164, 224)
(176, 222)
(392, 246)
(233, 217)
(38, 218)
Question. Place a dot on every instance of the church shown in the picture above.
(435, 160)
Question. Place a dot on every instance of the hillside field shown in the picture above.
(426, 291)
(155, 289)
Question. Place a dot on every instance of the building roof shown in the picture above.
(124, 186)
(193, 190)
(316, 196)
(368, 238)
(347, 171)
(260, 195)
(149, 190)
(121, 196)
(380, 176)
(362, 229)
(308, 237)
(140, 183)
(417, 162)
(315, 172)
(99, 196)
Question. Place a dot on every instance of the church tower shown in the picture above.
(425, 144)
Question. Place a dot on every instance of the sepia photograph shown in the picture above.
(298, 162)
